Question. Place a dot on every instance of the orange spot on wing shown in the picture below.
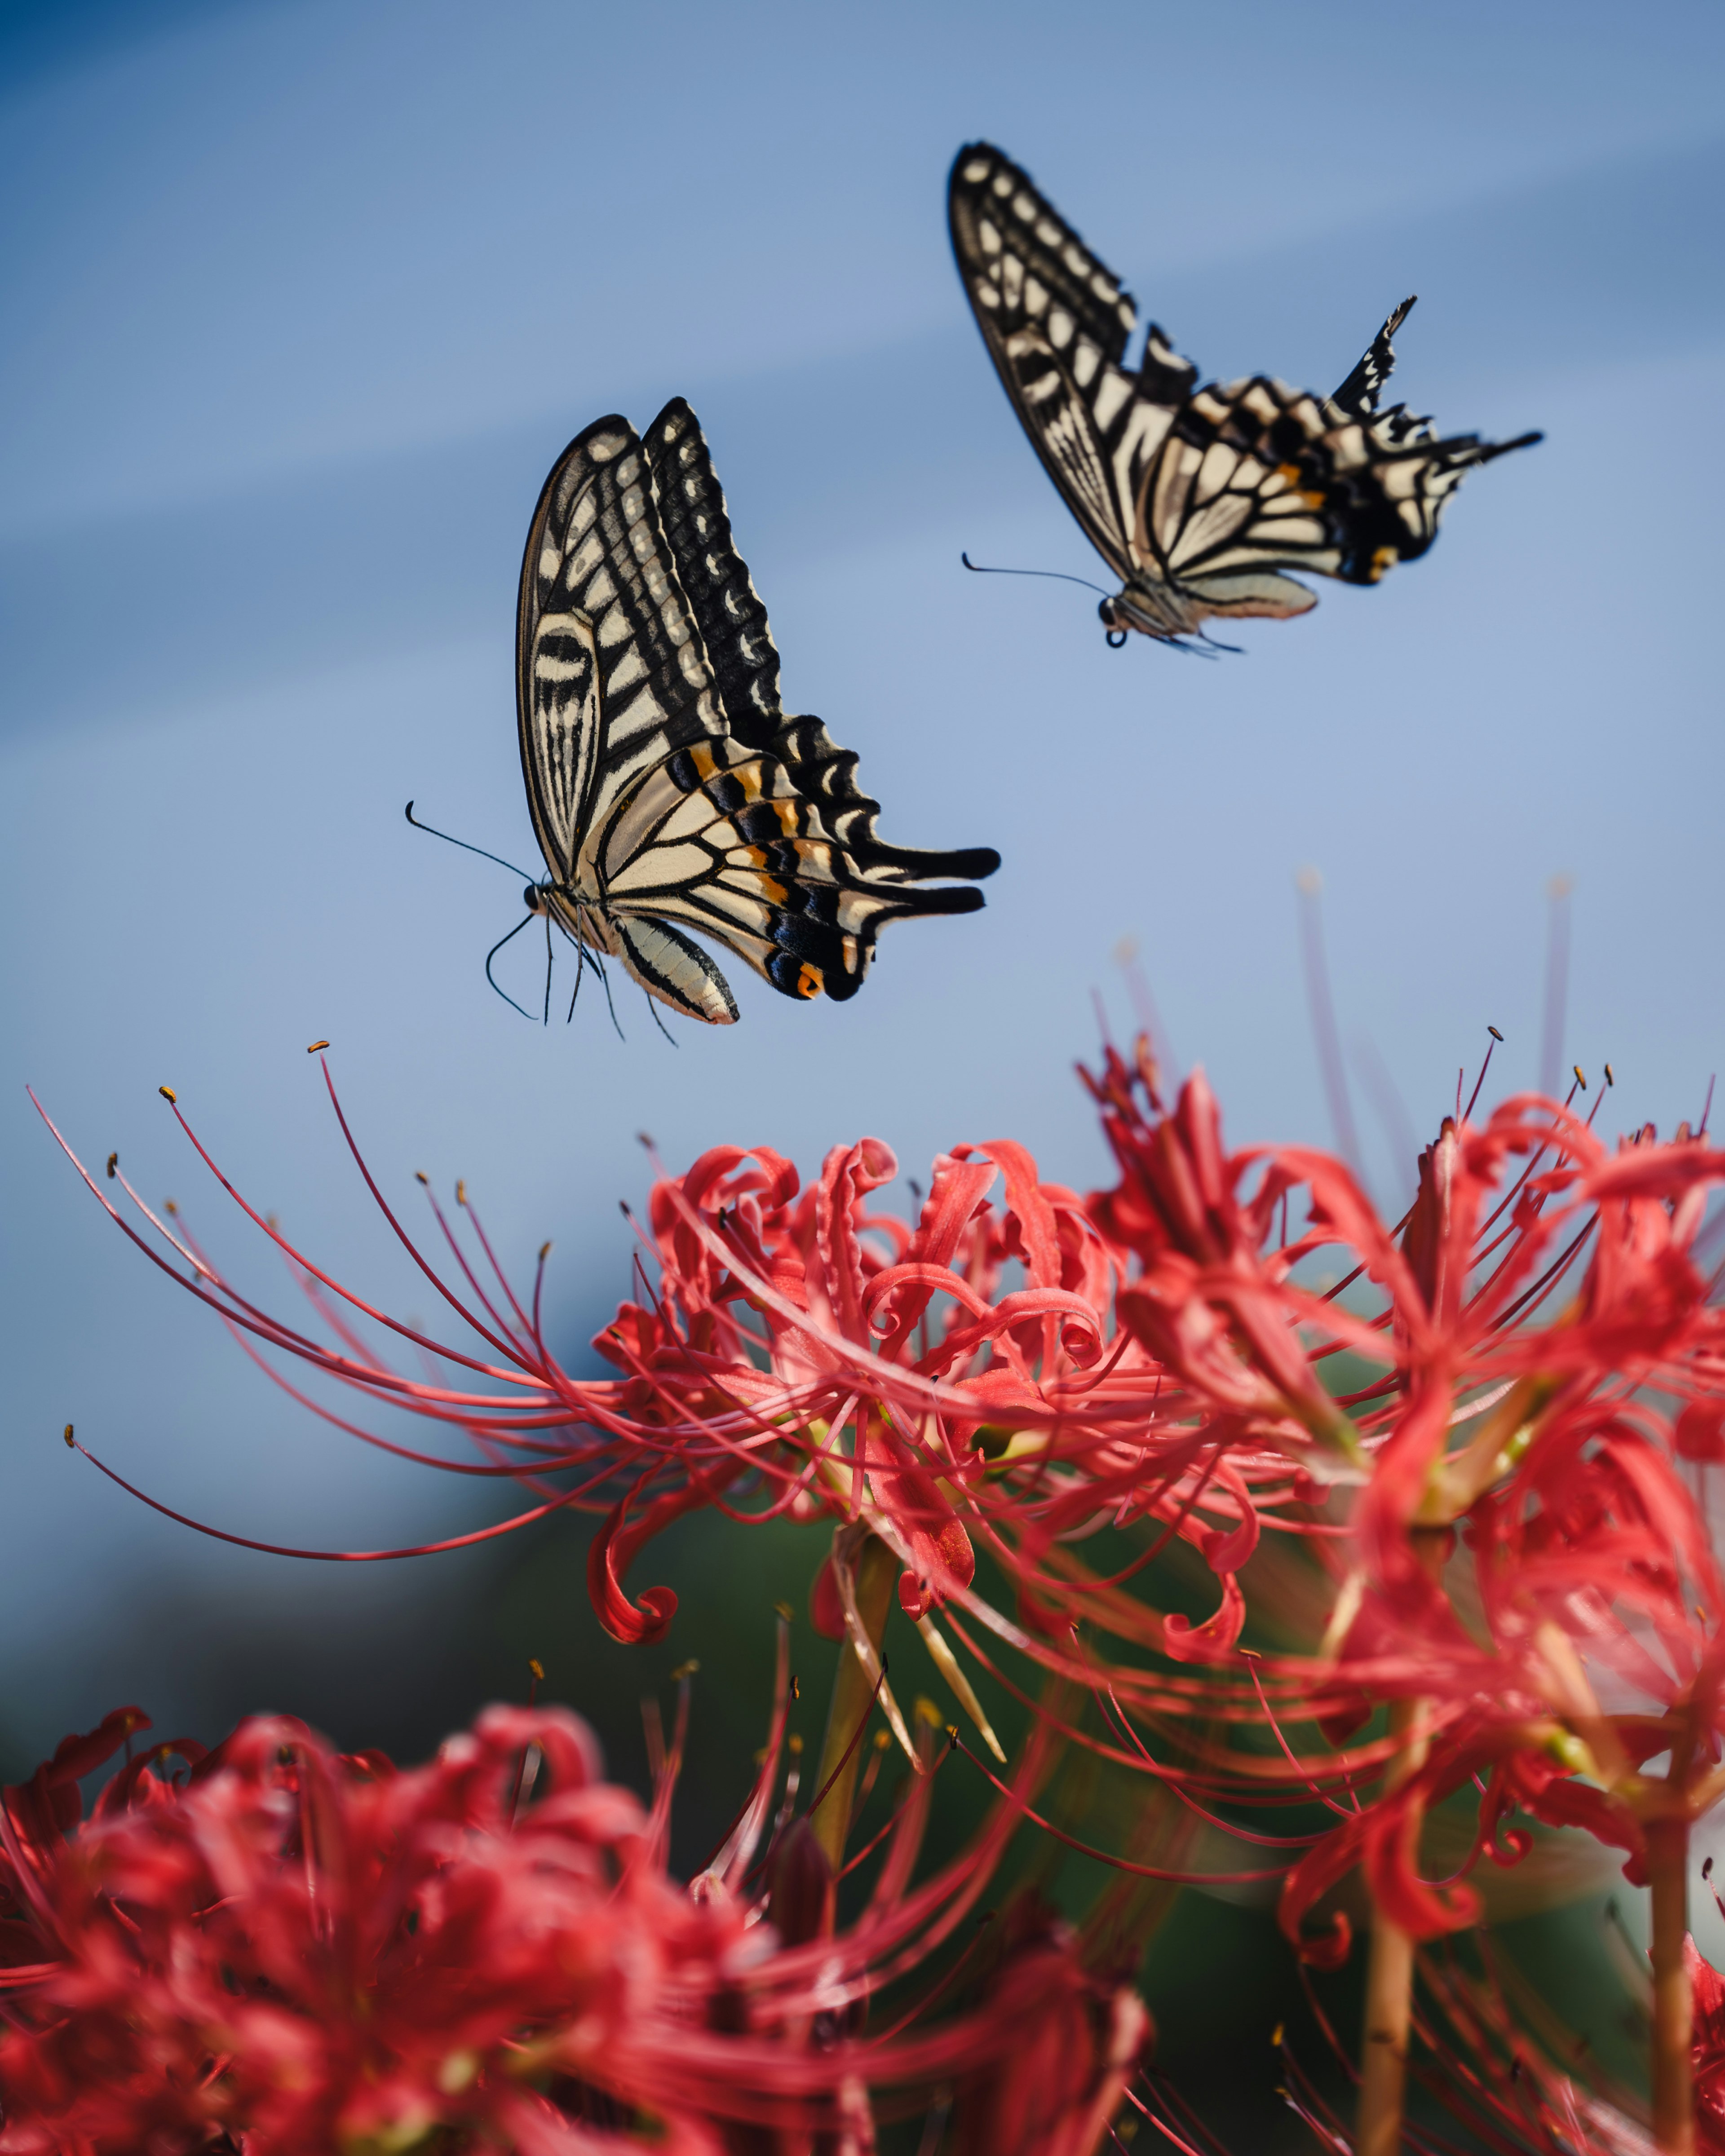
(1290, 473)
(810, 981)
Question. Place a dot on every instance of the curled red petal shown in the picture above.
(635, 1623)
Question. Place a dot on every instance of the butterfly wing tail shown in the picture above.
(826, 774)
(1395, 504)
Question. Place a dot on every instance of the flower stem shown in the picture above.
(1673, 2004)
(1390, 1965)
(877, 1571)
(1389, 1990)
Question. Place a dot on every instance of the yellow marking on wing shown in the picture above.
(1290, 473)
(1385, 557)
(809, 981)
(702, 756)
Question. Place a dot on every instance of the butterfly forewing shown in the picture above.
(1358, 397)
(745, 661)
(1056, 323)
(612, 674)
(727, 608)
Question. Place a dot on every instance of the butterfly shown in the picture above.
(668, 788)
(1196, 497)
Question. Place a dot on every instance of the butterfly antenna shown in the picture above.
(493, 951)
(1059, 576)
(466, 849)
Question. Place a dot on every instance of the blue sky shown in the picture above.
(302, 301)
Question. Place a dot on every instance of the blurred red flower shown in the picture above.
(303, 1952)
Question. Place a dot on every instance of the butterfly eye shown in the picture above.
(534, 898)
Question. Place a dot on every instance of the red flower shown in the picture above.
(803, 1353)
(317, 1953)
(1598, 1643)
(306, 1953)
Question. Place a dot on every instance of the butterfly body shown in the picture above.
(1197, 497)
(669, 790)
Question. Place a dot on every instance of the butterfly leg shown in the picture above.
(598, 967)
(580, 967)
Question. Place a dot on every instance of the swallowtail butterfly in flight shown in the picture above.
(1197, 498)
(668, 788)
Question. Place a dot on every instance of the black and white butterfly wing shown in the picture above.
(611, 680)
(1197, 497)
(728, 609)
(1056, 324)
(745, 660)
(1358, 397)
(654, 812)
(1256, 477)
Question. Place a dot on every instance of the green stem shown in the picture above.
(877, 1571)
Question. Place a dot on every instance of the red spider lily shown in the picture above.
(1597, 1641)
(1585, 1549)
(286, 1951)
(804, 1353)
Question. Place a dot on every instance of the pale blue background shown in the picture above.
(300, 301)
